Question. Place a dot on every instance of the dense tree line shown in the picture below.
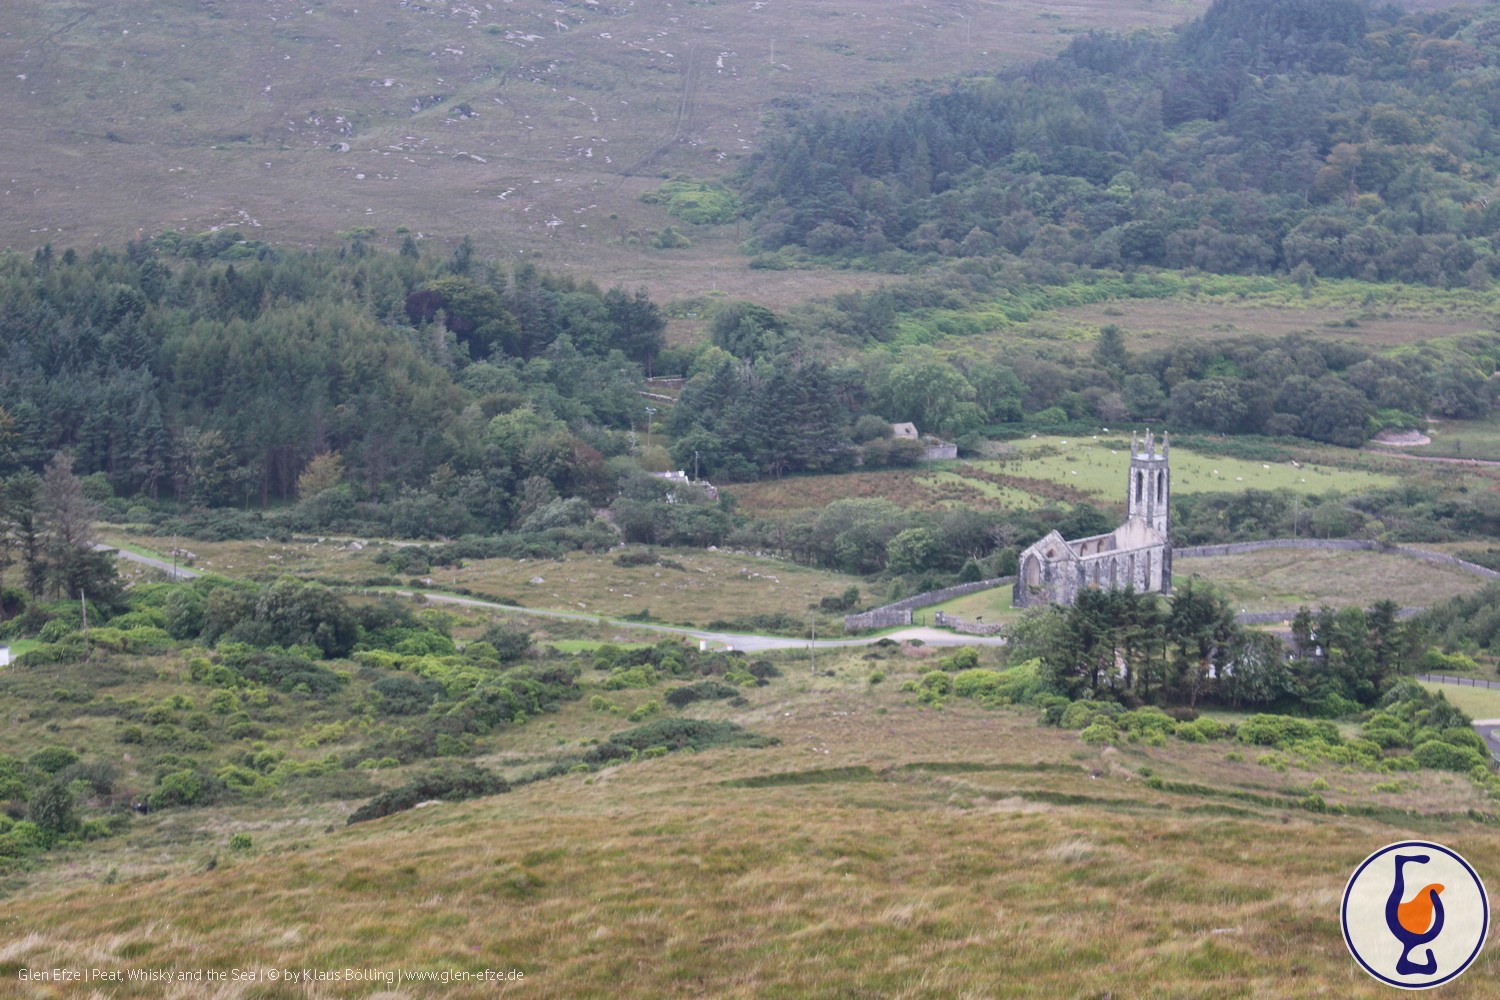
(1270, 134)
(217, 372)
(759, 402)
(1143, 649)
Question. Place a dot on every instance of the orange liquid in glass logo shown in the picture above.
(1416, 921)
(1415, 914)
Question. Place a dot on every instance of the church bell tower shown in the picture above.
(1150, 488)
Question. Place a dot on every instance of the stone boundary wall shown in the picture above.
(939, 452)
(1278, 617)
(879, 618)
(965, 627)
(1335, 544)
(891, 614)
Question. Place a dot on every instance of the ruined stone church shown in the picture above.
(1138, 553)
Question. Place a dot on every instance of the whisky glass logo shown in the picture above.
(1415, 914)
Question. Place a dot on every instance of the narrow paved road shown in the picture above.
(183, 573)
(1490, 730)
(728, 640)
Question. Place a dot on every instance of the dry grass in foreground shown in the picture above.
(880, 850)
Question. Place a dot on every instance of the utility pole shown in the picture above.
(83, 601)
(695, 465)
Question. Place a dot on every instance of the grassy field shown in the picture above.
(911, 489)
(1459, 439)
(883, 848)
(1098, 465)
(1478, 702)
(691, 586)
(1227, 307)
(1285, 579)
(1066, 470)
(991, 605)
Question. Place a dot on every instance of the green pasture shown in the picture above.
(1286, 579)
(993, 605)
(1001, 496)
(1460, 439)
(1099, 464)
(1478, 702)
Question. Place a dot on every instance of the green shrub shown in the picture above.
(1210, 729)
(240, 842)
(145, 618)
(1021, 684)
(56, 630)
(21, 839)
(1282, 731)
(51, 808)
(710, 690)
(630, 677)
(645, 711)
(1146, 721)
(53, 759)
(44, 654)
(670, 239)
(464, 781)
(179, 788)
(98, 775)
(1465, 736)
(1189, 732)
(966, 658)
(1099, 733)
(1441, 756)
(1053, 706)
(675, 734)
(147, 639)
(243, 780)
(934, 686)
(1081, 714)
(1387, 731)
(764, 671)
(402, 694)
(979, 683)
(1437, 662)
(698, 202)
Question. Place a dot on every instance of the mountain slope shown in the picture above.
(530, 125)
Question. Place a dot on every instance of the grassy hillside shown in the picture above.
(533, 126)
(883, 847)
